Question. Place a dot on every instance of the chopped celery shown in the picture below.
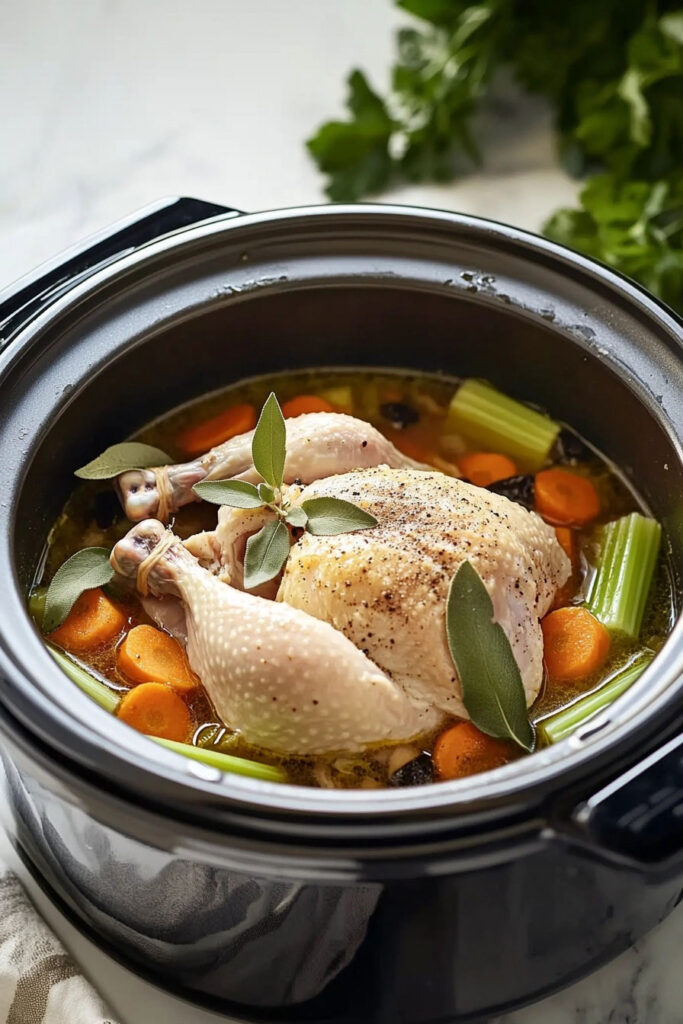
(620, 587)
(368, 399)
(100, 693)
(339, 396)
(225, 762)
(495, 422)
(36, 604)
(563, 723)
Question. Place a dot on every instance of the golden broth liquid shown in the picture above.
(92, 516)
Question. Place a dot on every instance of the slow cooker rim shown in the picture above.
(447, 791)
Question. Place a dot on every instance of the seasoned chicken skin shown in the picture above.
(386, 588)
(286, 681)
(318, 444)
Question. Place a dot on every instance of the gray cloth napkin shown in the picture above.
(39, 982)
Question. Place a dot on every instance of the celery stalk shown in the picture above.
(555, 727)
(225, 762)
(620, 588)
(36, 605)
(100, 693)
(340, 396)
(495, 422)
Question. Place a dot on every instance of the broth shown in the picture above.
(93, 517)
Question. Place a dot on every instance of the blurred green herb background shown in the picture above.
(613, 73)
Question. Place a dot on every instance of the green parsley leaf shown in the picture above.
(613, 74)
(491, 683)
(85, 570)
(355, 153)
(268, 447)
(635, 226)
(330, 516)
(266, 553)
(236, 493)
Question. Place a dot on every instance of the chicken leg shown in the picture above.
(319, 445)
(284, 679)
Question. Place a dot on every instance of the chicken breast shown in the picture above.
(386, 589)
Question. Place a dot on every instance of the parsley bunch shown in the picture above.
(613, 72)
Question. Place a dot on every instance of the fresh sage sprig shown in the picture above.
(120, 458)
(492, 689)
(85, 570)
(267, 550)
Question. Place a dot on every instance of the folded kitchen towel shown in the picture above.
(39, 982)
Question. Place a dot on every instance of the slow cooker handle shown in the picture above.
(639, 816)
(27, 295)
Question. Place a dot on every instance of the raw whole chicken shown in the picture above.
(353, 651)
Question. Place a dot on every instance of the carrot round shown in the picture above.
(305, 403)
(410, 446)
(93, 620)
(484, 468)
(465, 750)
(565, 498)
(575, 644)
(156, 710)
(149, 655)
(567, 541)
(237, 420)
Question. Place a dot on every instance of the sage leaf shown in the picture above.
(119, 458)
(330, 516)
(266, 553)
(269, 444)
(492, 689)
(88, 568)
(236, 493)
(296, 516)
(266, 493)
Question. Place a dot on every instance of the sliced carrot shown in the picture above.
(156, 710)
(567, 540)
(150, 655)
(93, 620)
(411, 447)
(237, 420)
(465, 750)
(484, 468)
(565, 498)
(575, 644)
(305, 403)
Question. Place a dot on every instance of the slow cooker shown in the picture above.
(272, 902)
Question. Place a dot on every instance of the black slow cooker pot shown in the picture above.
(274, 902)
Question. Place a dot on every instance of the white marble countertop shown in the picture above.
(110, 104)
